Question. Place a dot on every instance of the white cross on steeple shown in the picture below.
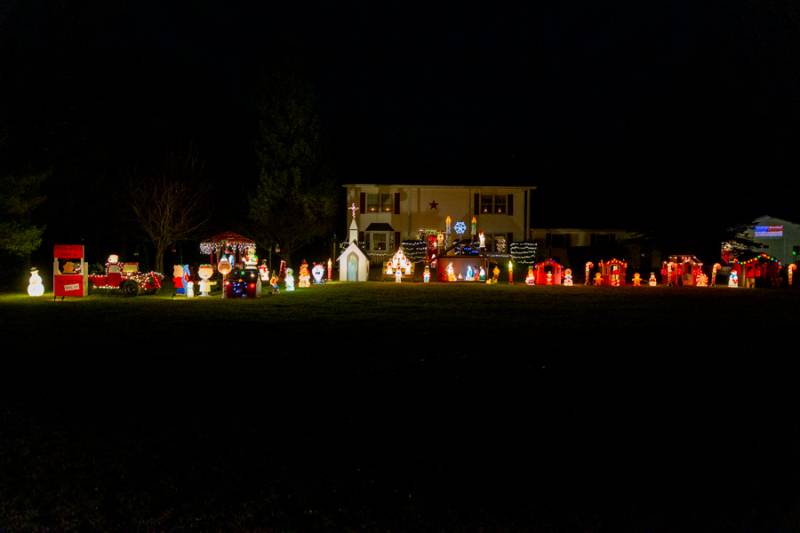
(353, 209)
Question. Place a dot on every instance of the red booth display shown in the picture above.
(69, 278)
(760, 271)
(685, 270)
(613, 272)
(548, 267)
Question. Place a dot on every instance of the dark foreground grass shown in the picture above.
(385, 407)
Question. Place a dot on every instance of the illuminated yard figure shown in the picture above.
(598, 279)
(637, 280)
(652, 281)
(733, 279)
(451, 273)
(273, 283)
(205, 272)
(224, 268)
(790, 274)
(495, 274)
(318, 272)
(568, 277)
(426, 274)
(470, 273)
(482, 274)
(304, 278)
(702, 280)
(35, 286)
(289, 281)
(399, 263)
(263, 271)
(588, 273)
(530, 279)
(510, 273)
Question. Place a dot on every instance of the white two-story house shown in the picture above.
(389, 214)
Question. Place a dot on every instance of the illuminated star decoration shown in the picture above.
(434, 204)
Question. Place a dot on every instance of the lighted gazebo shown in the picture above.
(226, 242)
(613, 272)
(548, 267)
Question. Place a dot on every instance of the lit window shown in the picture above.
(372, 203)
(500, 205)
(386, 202)
(486, 204)
(379, 242)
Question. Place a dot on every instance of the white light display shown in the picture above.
(289, 280)
(652, 281)
(568, 277)
(733, 280)
(35, 286)
(460, 227)
(318, 272)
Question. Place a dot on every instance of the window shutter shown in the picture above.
(476, 210)
(397, 239)
(510, 239)
(366, 241)
(360, 236)
(362, 202)
(397, 203)
(510, 206)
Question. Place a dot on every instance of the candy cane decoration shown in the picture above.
(589, 267)
(792, 268)
(714, 271)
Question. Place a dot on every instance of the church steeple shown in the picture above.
(353, 237)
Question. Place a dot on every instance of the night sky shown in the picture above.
(646, 114)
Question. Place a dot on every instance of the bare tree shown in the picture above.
(169, 207)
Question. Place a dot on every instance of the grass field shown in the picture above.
(381, 407)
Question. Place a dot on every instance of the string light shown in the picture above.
(523, 253)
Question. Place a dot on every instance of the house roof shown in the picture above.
(379, 226)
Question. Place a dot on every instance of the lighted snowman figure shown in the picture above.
(733, 280)
(426, 274)
(289, 280)
(652, 281)
(568, 277)
(318, 272)
(205, 272)
(549, 280)
(35, 287)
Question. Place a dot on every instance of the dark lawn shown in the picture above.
(385, 407)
